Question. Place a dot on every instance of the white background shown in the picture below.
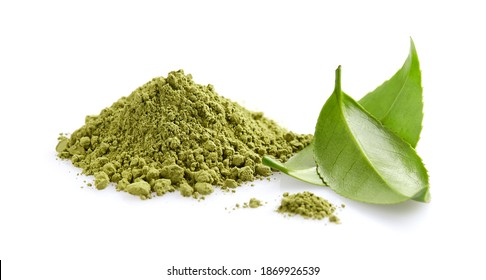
(60, 61)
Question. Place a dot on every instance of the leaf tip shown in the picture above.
(338, 77)
(427, 197)
(413, 50)
(423, 196)
(412, 44)
(337, 84)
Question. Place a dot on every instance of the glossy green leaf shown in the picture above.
(301, 166)
(361, 159)
(397, 103)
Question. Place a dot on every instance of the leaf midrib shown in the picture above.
(397, 97)
(361, 150)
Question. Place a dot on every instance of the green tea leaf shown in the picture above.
(301, 166)
(397, 103)
(361, 159)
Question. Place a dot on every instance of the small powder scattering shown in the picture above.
(307, 205)
(254, 203)
(172, 134)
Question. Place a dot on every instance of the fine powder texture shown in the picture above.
(307, 205)
(172, 134)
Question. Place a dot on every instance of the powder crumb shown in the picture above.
(334, 219)
(204, 188)
(230, 183)
(186, 190)
(308, 205)
(263, 170)
(254, 203)
(101, 180)
(163, 186)
(140, 188)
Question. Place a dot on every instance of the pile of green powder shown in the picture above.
(307, 205)
(172, 134)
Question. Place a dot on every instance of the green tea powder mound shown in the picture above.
(307, 205)
(172, 134)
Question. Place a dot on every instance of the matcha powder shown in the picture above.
(307, 205)
(172, 134)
